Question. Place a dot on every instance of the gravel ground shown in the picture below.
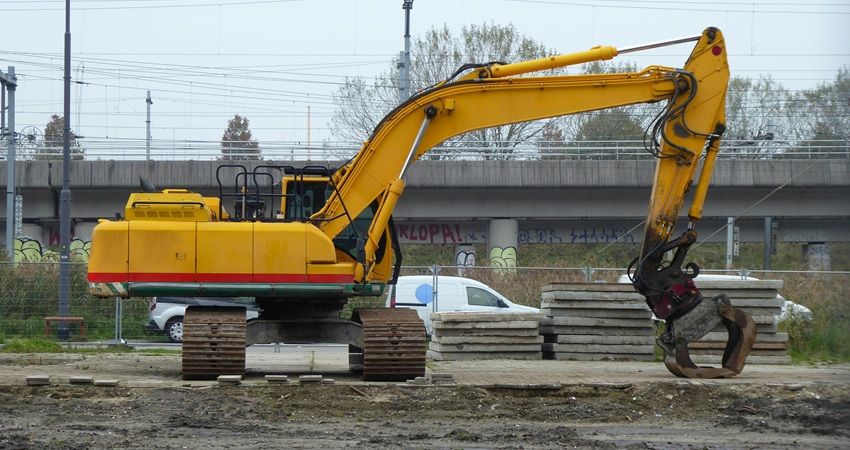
(153, 408)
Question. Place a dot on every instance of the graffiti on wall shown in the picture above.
(31, 250)
(503, 257)
(602, 235)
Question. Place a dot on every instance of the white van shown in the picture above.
(450, 294)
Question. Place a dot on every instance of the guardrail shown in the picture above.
(163, 150)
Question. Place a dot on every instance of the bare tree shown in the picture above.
(435, 56)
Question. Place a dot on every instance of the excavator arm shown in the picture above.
(688, 130)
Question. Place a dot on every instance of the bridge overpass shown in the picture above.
(455, 202)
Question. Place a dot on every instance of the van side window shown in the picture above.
(480, 297)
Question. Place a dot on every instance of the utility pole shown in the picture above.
(148, 128)
(10, 83)
(308, 133)
(404, 57)
(65, 194)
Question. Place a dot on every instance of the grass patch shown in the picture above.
(825, 337)
(31, 345)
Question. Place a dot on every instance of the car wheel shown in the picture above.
(174, 329)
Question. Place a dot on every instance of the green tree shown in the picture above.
(435, 56)
(237, 143)
(53, 144)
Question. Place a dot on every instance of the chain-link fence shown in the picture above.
(29, 295)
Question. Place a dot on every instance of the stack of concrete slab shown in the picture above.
(593, 322)
(459, 336)
(758, 298)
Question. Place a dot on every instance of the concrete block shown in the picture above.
(277, 379)
(444, 376)
(229, 379)
(105, 383)
(310, 379)
(81, 380)
(744, 296)
(328, 381)
(38, 380)
(487, 348)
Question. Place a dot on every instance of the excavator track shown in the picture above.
(213, 342)
(393, 343)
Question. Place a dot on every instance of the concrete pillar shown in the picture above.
(83, 230)
(817, 256)
(502, 242)
(465, 255)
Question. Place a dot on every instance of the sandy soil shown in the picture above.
(152, 408)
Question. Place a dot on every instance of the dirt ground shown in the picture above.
(153, 408)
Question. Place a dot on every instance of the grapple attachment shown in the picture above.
(673, 296)
(696, 324)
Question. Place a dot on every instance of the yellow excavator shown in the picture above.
(303, 240)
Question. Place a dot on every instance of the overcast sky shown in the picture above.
(205, 60)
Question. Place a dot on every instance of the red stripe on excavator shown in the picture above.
(105, 277)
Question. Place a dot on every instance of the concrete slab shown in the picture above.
(600, 348)
(589, 296)
(105, 383)
(603, 331)
(464, 356)
(593, 304)
(485, 325)
(601, 322)
(488, 339)
(761, 337)
(567, 356)
(446, 317)
(513, 332)
(487, 348)
(598, 312)
(597, 339)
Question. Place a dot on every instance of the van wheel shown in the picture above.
(174, 329)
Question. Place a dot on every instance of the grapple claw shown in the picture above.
(696, 324)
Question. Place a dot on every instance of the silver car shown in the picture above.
(166, 313)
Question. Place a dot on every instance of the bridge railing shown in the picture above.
(28, 294)
(167, 150)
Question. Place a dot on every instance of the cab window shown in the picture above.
(479, 297)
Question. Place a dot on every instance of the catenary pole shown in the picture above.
(65, 194)
(10, 82)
